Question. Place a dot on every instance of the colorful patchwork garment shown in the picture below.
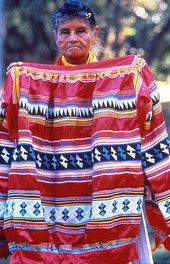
(77, 146)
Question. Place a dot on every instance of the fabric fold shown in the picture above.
(77, 146)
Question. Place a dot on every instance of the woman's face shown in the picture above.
(74, 38)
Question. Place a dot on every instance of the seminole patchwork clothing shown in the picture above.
(78, 145)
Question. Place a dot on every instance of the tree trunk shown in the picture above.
(118, 25)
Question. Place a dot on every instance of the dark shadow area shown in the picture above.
(166, 110)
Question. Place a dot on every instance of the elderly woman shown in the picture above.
(75, 33)
(77, 146)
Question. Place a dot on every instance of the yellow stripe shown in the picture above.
(16, 89)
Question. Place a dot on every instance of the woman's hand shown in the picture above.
(19, 63)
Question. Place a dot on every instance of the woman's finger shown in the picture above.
(19, 63)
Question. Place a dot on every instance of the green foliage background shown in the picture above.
(127, 26)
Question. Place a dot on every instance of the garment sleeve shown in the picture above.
(155, 149)
(8, 110)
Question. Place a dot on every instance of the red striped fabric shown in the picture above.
(77, 146)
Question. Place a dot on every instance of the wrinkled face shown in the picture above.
(74, 38)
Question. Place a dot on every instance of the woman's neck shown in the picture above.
(91, 58)
(73, 61)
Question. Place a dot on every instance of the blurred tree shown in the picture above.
(139, 26)
(127, 26)
(28, 35)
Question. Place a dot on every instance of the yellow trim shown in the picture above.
(16, 91)
(91, 58)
